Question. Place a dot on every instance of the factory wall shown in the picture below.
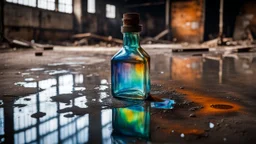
(245, 26)
(189, 20)
(98, 22)
(28, 23)
(152, 19)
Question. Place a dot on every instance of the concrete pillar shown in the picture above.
(56, 5)
(167, 18)
(77, 4)
(2, 20)
(221, 21)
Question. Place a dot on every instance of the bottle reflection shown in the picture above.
(131, 121)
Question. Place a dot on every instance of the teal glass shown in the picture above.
(131, 121)
(130, 70)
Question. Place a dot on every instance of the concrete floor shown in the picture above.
(64, 96)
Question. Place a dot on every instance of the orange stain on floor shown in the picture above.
(179, 127)
(187, 130)
(207, 102)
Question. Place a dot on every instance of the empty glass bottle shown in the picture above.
(130, 67)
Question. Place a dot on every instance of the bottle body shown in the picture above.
(130, 69)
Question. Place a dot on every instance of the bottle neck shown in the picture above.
(131, 40)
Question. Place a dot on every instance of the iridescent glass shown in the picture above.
(130, 70)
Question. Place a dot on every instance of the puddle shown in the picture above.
(25, 74)
(20, 84)
(67, 63)
(55, 72)
(36, 69)
(42, 116)
(59, 107)
(79, 88)
(104, 81)
(29, 79)
(165, 104)
(101, 87)
(43, 84)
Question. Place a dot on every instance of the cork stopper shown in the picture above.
(131, 23)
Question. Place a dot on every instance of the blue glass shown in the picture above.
(130, 68)
(165, 104)
(132, 121)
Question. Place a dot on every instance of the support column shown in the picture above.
(77, 9)
(167, 18)
(221, 22)
(2, 20)
(56, 5)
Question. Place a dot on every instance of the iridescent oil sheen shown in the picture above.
(130, 70)
(132, 121)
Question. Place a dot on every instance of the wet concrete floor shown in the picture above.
(64, 97)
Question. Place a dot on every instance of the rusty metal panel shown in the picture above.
(187, 20)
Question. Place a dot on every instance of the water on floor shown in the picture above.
(195, 98)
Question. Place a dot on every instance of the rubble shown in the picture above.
(98, 37)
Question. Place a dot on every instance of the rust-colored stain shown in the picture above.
(187, 130)
(171, 127)
(221, 106)
(210, 104)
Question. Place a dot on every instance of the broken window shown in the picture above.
(91, 6)
(110, 11)
(65, 6)
(46, 4)
(31, 3)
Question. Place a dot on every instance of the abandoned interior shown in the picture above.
(55, 72)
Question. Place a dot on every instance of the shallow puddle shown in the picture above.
(192, 96)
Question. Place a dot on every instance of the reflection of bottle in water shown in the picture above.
(131, 121)
(130, 66)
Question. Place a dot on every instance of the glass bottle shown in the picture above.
(130, 67)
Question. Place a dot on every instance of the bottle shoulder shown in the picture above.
(144, 53)
(124, 54)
